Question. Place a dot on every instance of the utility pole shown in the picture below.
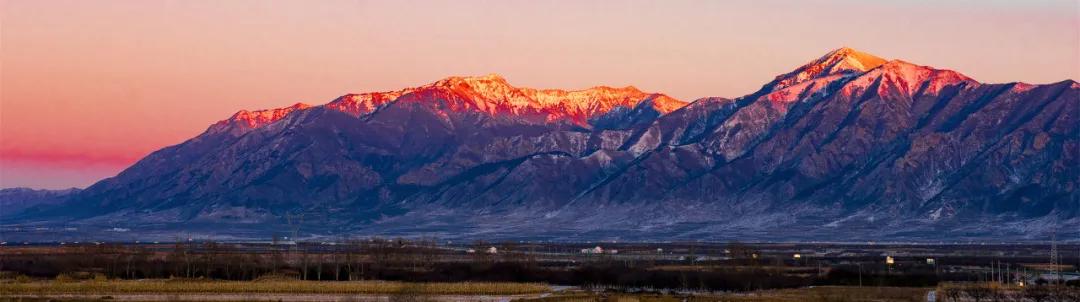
(997, 271)
(1054, 260)
(1008, 273)
(993, 274)
(294, 221)
(860, 274)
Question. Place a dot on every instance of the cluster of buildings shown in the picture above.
(490, 250)
(599, 250)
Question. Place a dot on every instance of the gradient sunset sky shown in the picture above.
(89, 87)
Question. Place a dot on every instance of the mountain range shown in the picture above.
(848, 147)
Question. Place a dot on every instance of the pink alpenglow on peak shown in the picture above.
(493, 95)
(906, 79)
(363, 103)
(817, 74)
(576, 106)
(911, 78)
(490, 94)
(846, 63)
(837, 62)
(244, 120)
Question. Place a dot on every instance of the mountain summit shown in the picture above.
(841, 61)
(847, 59)
(847, 147)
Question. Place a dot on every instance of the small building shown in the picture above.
(595, 250)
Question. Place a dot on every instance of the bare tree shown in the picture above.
(1037, 293)
(952, 292)
(320, 259)
(978, 292)
(303, 261)
(998, 294)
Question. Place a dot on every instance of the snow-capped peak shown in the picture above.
(245, 120)
(484, 80)
(845, 58)
(841, 61)
(908, 78)
(492, 94)
(258, 118)
(364, 103)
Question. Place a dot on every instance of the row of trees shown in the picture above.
(746, 268)
(345, 260)
(382, 259)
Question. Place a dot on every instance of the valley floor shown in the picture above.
(164, 290)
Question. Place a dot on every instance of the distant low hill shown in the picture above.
(14, 200)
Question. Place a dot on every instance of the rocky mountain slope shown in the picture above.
(847, 147)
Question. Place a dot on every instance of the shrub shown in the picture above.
(64, 278)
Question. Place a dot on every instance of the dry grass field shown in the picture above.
(822, 294)
(268, 287)
(837, 294)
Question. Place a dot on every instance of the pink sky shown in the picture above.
(89, 87)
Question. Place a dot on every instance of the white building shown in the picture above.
(595, 250)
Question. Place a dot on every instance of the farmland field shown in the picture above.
(829, 293)
(203, 290)
(269, 287)
(295, 290)
(418, 270)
